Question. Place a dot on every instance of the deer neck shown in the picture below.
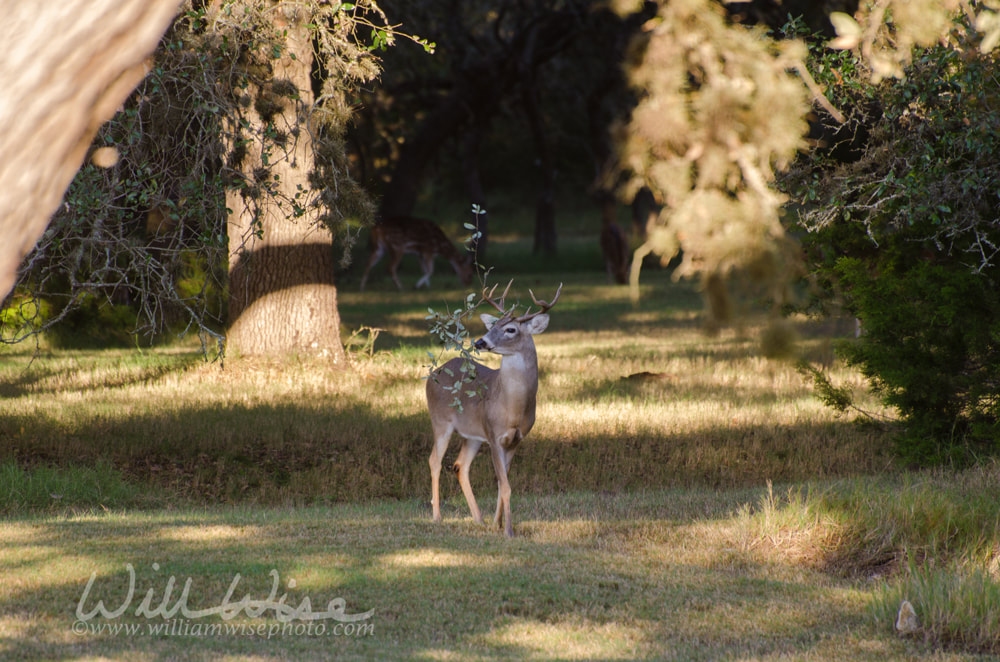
(518, 376)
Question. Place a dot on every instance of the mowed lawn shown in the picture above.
(681, 497)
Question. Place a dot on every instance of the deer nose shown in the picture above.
(481, 344)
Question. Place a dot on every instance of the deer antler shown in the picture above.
(544, 305)
(488, 298)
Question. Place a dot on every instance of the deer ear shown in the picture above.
(538, 324)
(488, 320)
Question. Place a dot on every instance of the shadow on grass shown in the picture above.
(587, 303)
(280, 453)
(286, 453)
(584, 592)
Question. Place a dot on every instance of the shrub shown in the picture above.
(907, 237)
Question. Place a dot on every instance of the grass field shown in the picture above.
(710, 509)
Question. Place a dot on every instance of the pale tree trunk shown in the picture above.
(65, 69)
(282, 297)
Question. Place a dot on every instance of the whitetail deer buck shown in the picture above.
(399, 235)
(497, 406)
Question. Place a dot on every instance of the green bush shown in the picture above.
(908, 239)
(930, 350)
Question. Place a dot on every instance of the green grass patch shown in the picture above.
(63, 488)
(932, 539)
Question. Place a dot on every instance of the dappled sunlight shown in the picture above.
(320, 571)
(613, 554)
(570, 639)
(650, 317)
(438, 558)
(589, 576)
(207, 533)
(58, 636)
(18, 533)
(30, 571)
(446, 655)
(563, 531)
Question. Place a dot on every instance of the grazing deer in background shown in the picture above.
(496, 406)
(399, 235)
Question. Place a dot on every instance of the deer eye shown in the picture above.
(510, 330)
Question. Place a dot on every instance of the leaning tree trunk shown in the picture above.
(66, 67)
(282, 296)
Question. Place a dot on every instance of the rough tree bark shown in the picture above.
(282, 296)
(66, 68)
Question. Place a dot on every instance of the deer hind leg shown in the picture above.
(462, 464)
(373, 259)
(441, 438)
(427, 266)
(394, 259)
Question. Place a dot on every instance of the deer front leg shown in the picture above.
(503, 487)
(462, 464)
(508, 456)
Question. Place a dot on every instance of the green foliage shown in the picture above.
(22, 316)
(835, 397)
(930, 350)
(908, 239)
(449, 329)
(717, 112)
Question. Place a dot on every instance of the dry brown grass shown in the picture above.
(711, 411)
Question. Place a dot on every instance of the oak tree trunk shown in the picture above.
(282, 296)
